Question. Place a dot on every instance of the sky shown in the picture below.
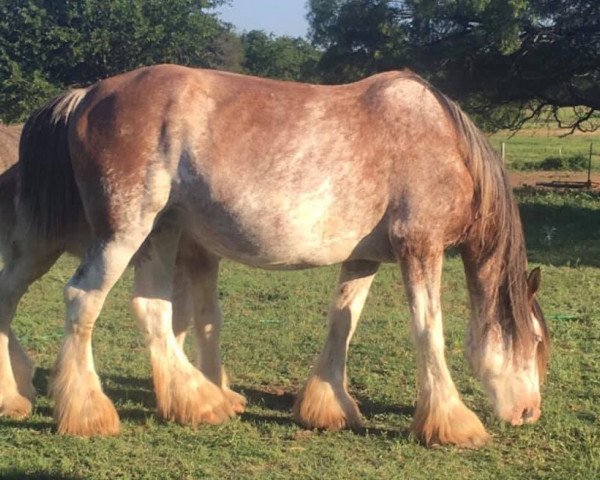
(281, 17)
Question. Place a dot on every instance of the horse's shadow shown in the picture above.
(281, 402)
(275, 404)
(564, 234)
(19, 475)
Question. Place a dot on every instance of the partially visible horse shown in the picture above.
(282, 176)
(22, 267)
(9, 145)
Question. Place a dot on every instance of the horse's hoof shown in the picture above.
(189, 398)
(237, 401)
(15, 406)
(451, 423)
(86, 414)
(319, 405)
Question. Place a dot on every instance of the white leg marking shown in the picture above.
(16, 370)
(81, 408)
(324, 401)
(440, 416)
(183, 393)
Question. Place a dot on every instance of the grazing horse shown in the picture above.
(27, 259)
(283, 176)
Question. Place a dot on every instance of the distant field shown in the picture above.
(275, 325)
(532, 146)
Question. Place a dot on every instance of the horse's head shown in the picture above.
(513, 369)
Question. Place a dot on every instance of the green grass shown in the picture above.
(275, 324)
(527, 149)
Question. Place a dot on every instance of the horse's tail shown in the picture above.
(48, 196)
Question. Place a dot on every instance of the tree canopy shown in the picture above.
(509, 59)
(285, 58)
(47, 45)
(504, 60)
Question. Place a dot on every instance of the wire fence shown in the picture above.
(550, 153)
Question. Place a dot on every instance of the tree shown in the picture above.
(507, 59)
(284, 58)
(46, 45)
(358, 38)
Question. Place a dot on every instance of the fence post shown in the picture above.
(503, 152)
(589, 180)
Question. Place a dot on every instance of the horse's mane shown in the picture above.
(496, 234)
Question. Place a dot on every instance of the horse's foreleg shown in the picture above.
(196, 302)
(16, 370)
(440, 417)
(183, 393)
(183, 305)
(202, 270)
(324, 401)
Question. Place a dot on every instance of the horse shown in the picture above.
(283, 176)
(9, 145)
(16, 369)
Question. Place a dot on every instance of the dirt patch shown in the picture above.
(532, 179)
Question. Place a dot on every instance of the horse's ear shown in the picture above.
(533, 281)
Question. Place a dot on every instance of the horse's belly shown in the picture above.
(278, 244)
(284, 239)
(287, 218)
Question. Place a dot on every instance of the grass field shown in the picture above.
(275, 324)
(541, 138)
(531, 146)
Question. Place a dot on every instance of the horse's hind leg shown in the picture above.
(80, 406)
(201, 269)
(183, 393)
(22, 268)
(324, 401)
(440, 416)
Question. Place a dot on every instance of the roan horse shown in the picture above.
(16, 370)
(9, 145)
(282, 176)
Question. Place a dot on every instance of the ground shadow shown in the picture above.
(40, 380)
(130, 389)
(558, 235)
(272, 398)
(279, 400)
(371, 408)
(264, 419)
(16, 474)
(561, 235)
(28, 423)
